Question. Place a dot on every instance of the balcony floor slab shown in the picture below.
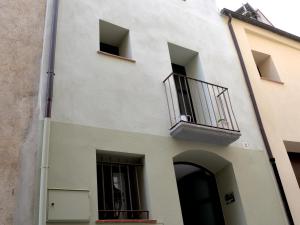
(202, 133)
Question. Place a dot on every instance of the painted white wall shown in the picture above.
(234, 212)
(102, 91)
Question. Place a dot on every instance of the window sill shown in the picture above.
(127, 221)
(116, 56)
(275, 81)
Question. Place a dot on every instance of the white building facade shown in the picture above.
(152, 121)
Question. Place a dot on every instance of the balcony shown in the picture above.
(200, 111)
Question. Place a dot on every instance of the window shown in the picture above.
(293, 151)
(184, 62)
(295, 161)
(265, 66)
(119, 179)
(114, 40)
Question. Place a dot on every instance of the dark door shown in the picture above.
(183, 93)
(199, 199)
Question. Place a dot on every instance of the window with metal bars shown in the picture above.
(119, 187)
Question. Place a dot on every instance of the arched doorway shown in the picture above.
(198, 194)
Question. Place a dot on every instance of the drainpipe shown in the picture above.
(260, 124)
(51, 59)
(46, 129)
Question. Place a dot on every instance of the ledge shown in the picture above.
(116, 56)
(275, 81)
(127, 221)
(197, 132)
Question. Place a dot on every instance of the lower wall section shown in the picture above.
(246, 173)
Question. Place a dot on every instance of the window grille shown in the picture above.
(119, 192)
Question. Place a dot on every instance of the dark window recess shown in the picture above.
(183, 93)
(119, 194)
(259, 71)
(199, 197)
(109, 48)
(295, 161)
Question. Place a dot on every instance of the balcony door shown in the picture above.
(185, 102)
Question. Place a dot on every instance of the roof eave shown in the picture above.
(257, 23)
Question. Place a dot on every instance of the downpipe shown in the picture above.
(44, 173)
(260, 124)
(42, 211)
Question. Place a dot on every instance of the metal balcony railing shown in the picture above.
(198, 102)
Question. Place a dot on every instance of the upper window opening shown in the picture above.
(114, 39)
(293, 150)
(295, 161)
(120, 182)
(265, 66)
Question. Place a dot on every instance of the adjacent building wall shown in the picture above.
(278, 102)
(21, 33)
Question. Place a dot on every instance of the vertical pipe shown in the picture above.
(46, 129)
(51, 63)
(44, 173)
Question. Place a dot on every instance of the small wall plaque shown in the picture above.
(229, 198)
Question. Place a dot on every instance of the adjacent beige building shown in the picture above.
(272, 60)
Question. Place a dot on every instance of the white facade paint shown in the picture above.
(101, 91)
(107, 103)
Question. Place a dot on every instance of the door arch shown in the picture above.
(216, 166)
(198, 194)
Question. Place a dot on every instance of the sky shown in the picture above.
(283, 14)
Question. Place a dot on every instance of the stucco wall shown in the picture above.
(102, 91)
(72, 165)
(119, 105)
(278, 102)
(20, 53)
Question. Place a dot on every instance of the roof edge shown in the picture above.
(227, 12)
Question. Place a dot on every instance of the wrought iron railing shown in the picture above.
(119, 194)
(198, 102)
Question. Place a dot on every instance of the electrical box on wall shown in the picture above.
(229, 198)
(66, 205)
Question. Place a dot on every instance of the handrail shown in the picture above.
(199, 102)
(191, 78)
